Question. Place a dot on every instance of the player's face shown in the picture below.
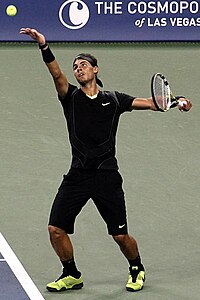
(84, 72)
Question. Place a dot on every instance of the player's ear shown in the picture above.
(96, 69)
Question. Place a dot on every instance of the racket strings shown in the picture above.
(162, 93)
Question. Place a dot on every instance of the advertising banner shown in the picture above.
(90, 20)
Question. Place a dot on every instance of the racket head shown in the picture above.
(161, 93)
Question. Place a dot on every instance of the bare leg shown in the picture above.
(70, 278)
(129, 248)
(128, 245)
(61, 243)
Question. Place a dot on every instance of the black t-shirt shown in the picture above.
(92, 126)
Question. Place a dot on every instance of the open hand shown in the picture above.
(34, 34)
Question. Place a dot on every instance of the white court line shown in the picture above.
(19, 270)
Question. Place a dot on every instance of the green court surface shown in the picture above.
(158, 155)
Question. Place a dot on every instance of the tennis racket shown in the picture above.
(162, 95)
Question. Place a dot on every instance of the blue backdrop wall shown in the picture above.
(90, 20)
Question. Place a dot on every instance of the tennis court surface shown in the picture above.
(158, 155)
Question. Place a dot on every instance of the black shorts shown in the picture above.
(104, 187)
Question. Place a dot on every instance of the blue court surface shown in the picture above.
(15, 283)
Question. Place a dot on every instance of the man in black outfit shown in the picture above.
(92, 118)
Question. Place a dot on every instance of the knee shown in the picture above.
(55, 232)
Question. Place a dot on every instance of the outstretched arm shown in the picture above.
(143, 103)
(60, 80)
(147, 103)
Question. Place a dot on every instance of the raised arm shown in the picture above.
(60, 80)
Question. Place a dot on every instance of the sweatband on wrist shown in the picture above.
(43, 46)
(47, 55)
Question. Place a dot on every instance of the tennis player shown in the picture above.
(92, 117)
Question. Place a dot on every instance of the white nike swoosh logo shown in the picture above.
(121, 226)
(104, 104)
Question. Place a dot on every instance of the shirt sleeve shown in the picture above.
(70, 91)
(125, 101)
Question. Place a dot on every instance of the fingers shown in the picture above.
(34, 34)
(29, 31)
(187, 106)
(25, 30)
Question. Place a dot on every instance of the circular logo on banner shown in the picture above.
(74, 14)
